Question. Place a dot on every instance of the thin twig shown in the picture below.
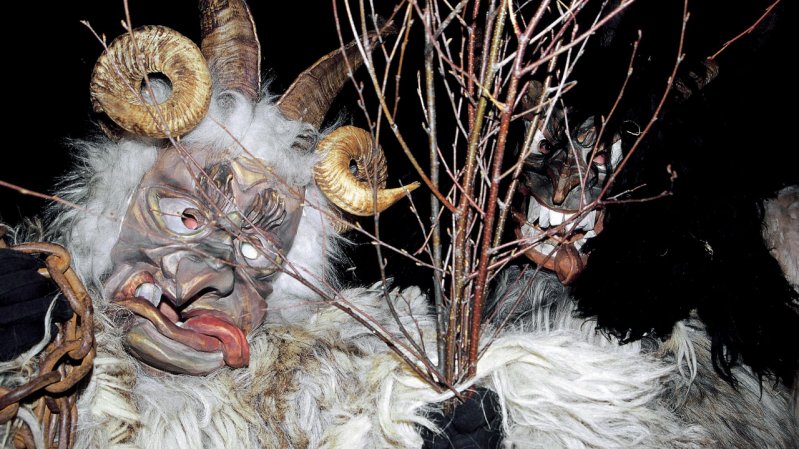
(746, 31)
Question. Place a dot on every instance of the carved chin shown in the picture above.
(196, 340)
(557, 238)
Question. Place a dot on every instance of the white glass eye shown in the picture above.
(260, 255)
(249, 251)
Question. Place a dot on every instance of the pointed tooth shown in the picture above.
(150, 292)
(587, 223)
(555, 218)
(531, 232)
(543, 217)
(545, 248)
(533, 210)
(527, 231)
(566, 218)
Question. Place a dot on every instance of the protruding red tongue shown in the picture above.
(235, 349)
(203, 330)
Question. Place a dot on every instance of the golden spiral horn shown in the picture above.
(118, 77)
(352, 165)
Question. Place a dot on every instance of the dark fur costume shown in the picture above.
(700, 249)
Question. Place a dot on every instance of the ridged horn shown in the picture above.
(311, 94)
(230, 45)
(351, 162)
(118, 77)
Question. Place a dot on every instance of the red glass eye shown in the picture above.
(189, 219)
(599, 159)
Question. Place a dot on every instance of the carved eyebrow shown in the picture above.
(267, 211)
(217, 183)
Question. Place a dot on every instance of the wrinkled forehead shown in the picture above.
(186, 169)
(562, 119)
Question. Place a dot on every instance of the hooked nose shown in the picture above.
(565, 175)
(193, 273)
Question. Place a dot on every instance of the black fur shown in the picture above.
(701, 248)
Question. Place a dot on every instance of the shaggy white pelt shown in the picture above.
(331, 383)
(749, 414)
(781, 231)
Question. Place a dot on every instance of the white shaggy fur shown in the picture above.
(750, 414)
(781, 231)
(744, 416)
(102, 185)
(333, 384)
(302, 383)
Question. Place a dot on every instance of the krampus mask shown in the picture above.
(207, 230)
(567, 167)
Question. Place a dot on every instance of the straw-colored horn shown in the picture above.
(230, 45)
(118, 86)
(352, 166)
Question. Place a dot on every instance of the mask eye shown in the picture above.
(257, 254)
(249, 251)
(541, 146)
(181, 216)
(191, 219)
(603, 160)
(586, 138)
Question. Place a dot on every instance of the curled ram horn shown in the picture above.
(351, 166)
(230, 45)
(117, 86)
(311, 94)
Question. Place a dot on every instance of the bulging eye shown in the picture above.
(587, 137)
(600, 159)
(540, 145)
(181, 216)
(260, 255)
(249, 251)
(605, 162)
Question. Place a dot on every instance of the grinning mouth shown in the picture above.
(541, 220)
(557, 236)
(188, 340)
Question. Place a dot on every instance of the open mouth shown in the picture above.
(557, 236)
(194, 339)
